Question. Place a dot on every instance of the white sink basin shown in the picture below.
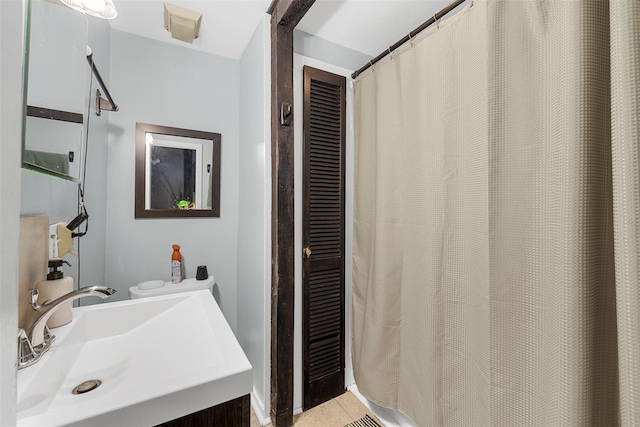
(158, 359)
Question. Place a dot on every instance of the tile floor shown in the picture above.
(338, 412)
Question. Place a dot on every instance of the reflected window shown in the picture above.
(180, 170)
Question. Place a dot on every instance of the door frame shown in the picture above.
(285, 15)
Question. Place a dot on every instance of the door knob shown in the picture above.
(307, 252)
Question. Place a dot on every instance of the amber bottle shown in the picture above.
(176, 265)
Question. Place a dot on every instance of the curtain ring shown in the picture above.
(390, 53)
(436, 21)
(371, 66)
(410, 39)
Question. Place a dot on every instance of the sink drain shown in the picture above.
(86, 386)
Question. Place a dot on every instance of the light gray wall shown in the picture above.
(11, 30)
(323, 50)
(163, 84)
(254, 213)
(44, 194)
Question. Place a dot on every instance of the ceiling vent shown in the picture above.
(182, 23)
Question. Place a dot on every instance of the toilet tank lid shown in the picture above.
(172, 288)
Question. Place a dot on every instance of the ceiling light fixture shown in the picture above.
(104, 9)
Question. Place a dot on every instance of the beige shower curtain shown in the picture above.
(496, 261)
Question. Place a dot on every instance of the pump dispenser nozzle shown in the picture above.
(54, 265)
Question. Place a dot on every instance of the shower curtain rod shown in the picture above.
(101, 103)
(411, 35)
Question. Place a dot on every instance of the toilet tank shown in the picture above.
(148, 289)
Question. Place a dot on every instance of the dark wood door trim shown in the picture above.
(285, 15)
(289, 12)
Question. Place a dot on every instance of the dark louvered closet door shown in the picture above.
(323, 236)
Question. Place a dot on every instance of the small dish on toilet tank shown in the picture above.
(151, 284)
(187, 285)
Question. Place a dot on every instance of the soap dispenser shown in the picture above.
(54, 287)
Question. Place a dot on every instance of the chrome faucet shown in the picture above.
(35, 339)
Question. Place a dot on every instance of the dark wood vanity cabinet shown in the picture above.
(234, 413)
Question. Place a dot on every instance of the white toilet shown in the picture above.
(154, 288)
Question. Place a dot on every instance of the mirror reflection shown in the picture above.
(179, 172)
(56, 92)
(53, 146)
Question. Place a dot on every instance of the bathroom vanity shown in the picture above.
(169, 360)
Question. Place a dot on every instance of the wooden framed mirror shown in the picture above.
(177, 172)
